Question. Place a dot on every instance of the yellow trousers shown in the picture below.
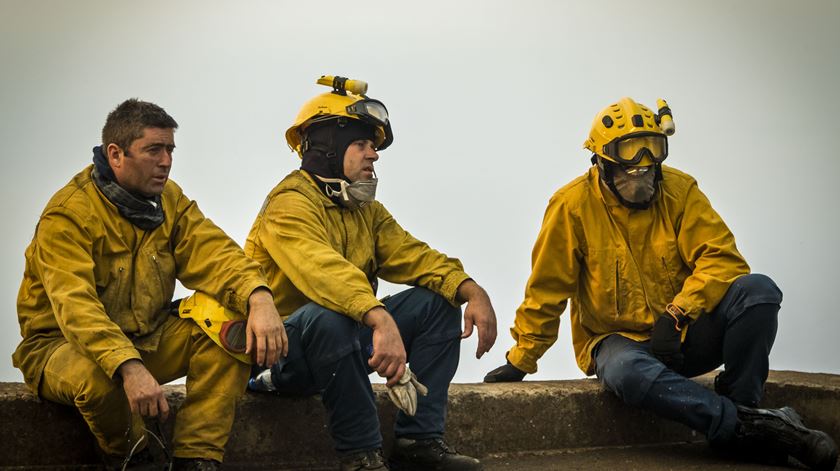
(215, 381)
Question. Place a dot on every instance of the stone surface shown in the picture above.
(525, 422)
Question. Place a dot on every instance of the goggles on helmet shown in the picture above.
(373, 112)
(369, 110)
(631, 149)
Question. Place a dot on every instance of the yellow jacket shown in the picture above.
(95, 280)
(314, 250)
(621, 267)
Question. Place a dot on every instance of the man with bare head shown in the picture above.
(94, 305)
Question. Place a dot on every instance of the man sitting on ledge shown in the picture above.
(659, 294)
(94, 302)
(324, 240)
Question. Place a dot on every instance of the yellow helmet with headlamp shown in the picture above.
(348, 100)
(629, 133)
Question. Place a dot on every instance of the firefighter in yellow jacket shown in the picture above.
(323, 241)
(659, 293)
(94, 305)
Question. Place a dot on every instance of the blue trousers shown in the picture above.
(328, 354)
(738, 334)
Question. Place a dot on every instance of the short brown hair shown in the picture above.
(128, 120)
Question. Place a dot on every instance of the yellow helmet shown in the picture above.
(630, 133)
(347, 100)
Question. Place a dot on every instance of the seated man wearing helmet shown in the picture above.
(323, 241)
(659, 293)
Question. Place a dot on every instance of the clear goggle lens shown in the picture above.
(370, 109)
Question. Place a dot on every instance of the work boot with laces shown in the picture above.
(368, 460)
(783, 430)
(429, 454)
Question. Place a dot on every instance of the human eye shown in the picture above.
(154, 149)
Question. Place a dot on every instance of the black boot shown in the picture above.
(370, 460)
(783, 430)
(429, 454)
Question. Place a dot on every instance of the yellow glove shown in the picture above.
(404, 393)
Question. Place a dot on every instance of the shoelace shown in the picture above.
(159, 437)
(444, 447)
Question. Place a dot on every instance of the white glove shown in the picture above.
(404, 393)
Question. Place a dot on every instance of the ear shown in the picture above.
(114, 155)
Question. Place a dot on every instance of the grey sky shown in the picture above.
(490, 104)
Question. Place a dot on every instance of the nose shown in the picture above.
(166, 158)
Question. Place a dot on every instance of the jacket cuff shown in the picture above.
(112, 361)
(449, 289)
(238, 302)
(522, 360)
(360, 306)
(692, 310)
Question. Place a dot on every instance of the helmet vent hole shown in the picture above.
(637, 121)
(608, 122)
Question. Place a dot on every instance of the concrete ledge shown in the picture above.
(483, 420)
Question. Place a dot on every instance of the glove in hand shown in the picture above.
(404, 393)
(665, 342)
(506, 373)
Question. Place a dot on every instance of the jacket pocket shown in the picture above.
(163, 266)
(109, 287)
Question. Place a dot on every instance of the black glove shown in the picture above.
(665, 342)
(506, 373)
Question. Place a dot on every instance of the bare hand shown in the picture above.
(266, 339)
(145, 396)
(479, 313)
(388, 358)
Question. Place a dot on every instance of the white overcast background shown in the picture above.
(490, 104)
